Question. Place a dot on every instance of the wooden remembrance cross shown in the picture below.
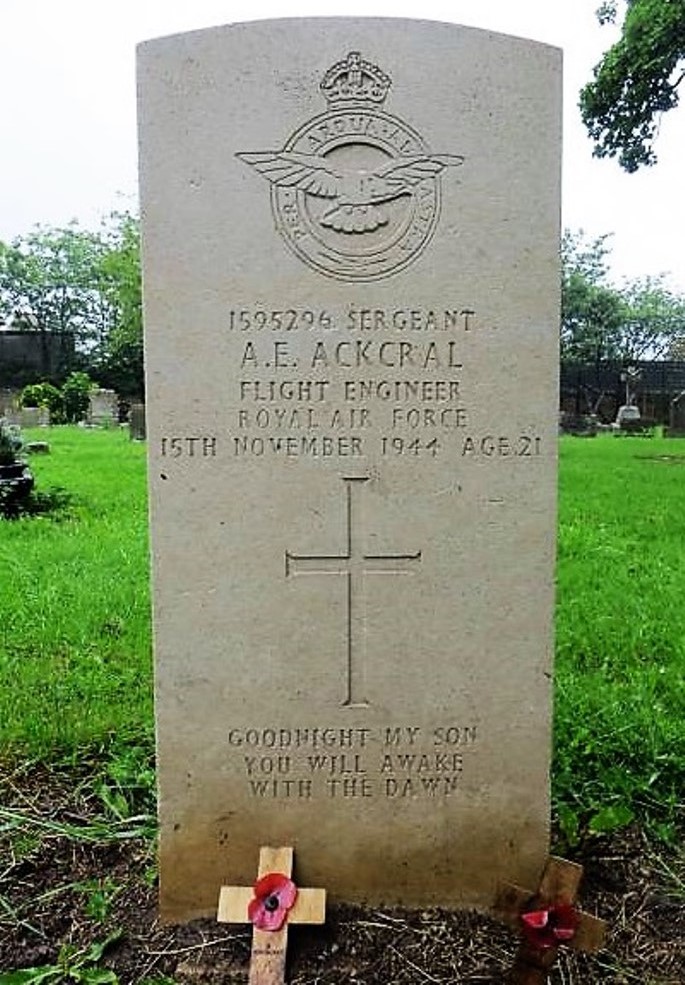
(269, 947)
(354, 564)
(559, 884)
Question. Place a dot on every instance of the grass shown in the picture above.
(75, 664)
(620, 650)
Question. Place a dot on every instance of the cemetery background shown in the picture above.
(607, 325)
(77, 781)
(572, 822)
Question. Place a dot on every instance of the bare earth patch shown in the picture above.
(71, 878)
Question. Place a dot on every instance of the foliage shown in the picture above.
(76, 397)
(591, 312)
(55, 502)
(601, 322)
(67, 405)
(54, 273)
(636, 81)
(676, 349)
(73, 964)
(654, 318)
(121, 358)
(44, 395)
(85, 284)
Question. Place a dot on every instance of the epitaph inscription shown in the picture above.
(351, 404)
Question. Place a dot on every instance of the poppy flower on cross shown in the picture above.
(274, 896)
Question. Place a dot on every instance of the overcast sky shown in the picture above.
(67, 76)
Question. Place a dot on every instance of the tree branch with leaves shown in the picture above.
(636, 81)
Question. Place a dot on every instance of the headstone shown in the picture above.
(136, 422)
(627, 413)
(676, 423)
(10, 401)
(351, 304)
(32, 417)
(104, 408)
(29, 417)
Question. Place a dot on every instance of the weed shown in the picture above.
(73, 964)
(100, 895)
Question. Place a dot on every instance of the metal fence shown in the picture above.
(603, 387)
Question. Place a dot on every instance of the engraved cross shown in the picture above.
(355, 565)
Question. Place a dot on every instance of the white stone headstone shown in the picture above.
(351, 302)
(104, 408)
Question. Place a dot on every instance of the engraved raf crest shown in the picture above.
(355, 192)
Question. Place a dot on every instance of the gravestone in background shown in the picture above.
(10, 400)
(103, 410)
(676, 424)
(136, 422)
(350, 245)
(28, 417)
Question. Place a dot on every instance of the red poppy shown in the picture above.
(551, 926)
(274, 895)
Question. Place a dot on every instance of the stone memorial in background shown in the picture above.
(103, 410)
(351, 306)
(136, 422)
(28, 417)
(10, 401)
(676, 417)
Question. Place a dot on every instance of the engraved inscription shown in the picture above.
(189, 446)
(351, 382)
(391, 762)
(355, 565)
(355, 192)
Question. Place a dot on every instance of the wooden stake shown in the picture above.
(267, 963)
(559, 884)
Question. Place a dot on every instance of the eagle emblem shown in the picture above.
(359, 195)
(355, 192)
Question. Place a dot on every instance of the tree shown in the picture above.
(44, 395)
(601, 322)
(54, 274)
(121, 356)
(654, 319)
(86, 284)
(676, 349)
(76, 396)
(591, 310)
(636, 81)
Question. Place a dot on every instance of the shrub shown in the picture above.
(44, 395)
(75, 391)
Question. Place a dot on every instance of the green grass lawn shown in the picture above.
(75, 664)
(620, 697)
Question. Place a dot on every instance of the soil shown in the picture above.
(70, 879)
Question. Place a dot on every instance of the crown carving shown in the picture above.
(354, 80)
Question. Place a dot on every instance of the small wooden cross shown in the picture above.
(559, 884)
(267, 963)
